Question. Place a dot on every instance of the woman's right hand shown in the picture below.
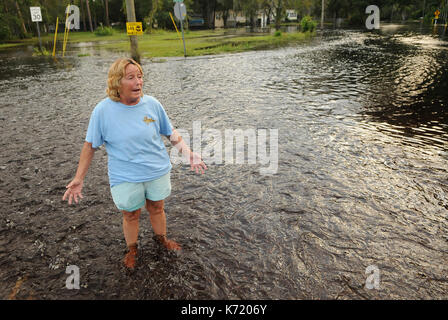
(73, 191)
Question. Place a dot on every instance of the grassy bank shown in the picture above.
(169, 44)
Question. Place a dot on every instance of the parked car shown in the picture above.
(196, 21)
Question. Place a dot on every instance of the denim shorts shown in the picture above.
(131, 196)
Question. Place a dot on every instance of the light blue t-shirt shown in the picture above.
(132, 136)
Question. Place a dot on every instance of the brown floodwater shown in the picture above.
(361, 178)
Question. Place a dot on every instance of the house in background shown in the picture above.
(291, 15)
(234, 19)
(238, 18)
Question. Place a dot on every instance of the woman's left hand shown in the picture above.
(196, 163)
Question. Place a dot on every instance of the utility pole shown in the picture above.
(322, 15)
(130, 12)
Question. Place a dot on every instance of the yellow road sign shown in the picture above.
(134, 28)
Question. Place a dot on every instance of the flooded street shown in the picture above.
(361, 178)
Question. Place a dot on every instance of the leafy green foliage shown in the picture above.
(37, 52)
(5, 32)
(308, 24)
(104, 31)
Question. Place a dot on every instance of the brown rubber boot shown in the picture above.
(131, 257)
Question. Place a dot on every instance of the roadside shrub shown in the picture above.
(164, 21)
(308, 24)
(27, 35)
(278, 33)
(356, 19)
(10, 28)
(5, 33)
(104, 31)
(37, 52)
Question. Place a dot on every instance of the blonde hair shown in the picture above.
(116, 73)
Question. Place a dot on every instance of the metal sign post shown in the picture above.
(36, 16)
(180, 11)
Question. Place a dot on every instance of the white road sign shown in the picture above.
(36, 15)
(180, 10)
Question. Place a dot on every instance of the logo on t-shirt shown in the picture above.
(148, 120)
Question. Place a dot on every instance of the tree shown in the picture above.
(83, 14)
(19, 13)
(249, 8)
(107, 13)
(208, 10)
(155, 5)
(224, 6)
(322, 16)
(279, 10)
(89, 15)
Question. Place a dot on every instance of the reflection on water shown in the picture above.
(361, 181)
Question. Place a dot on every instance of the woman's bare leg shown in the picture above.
(130, 230)
(130, 226)
(158, 221)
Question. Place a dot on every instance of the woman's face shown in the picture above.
(131, 85)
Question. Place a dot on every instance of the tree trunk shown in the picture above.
(154, 9)
(210, 8)
(424, 5)
(278, 15)
(107, 13)
(213, 14)
(322, 15)
(225, 17)
(89, 15)
(83, 13)
(252, 21)
(95, 24)
(21, 18)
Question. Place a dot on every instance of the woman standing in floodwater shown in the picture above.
(130, 125)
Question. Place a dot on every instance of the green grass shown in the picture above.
(169, 44)
(10, 45)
